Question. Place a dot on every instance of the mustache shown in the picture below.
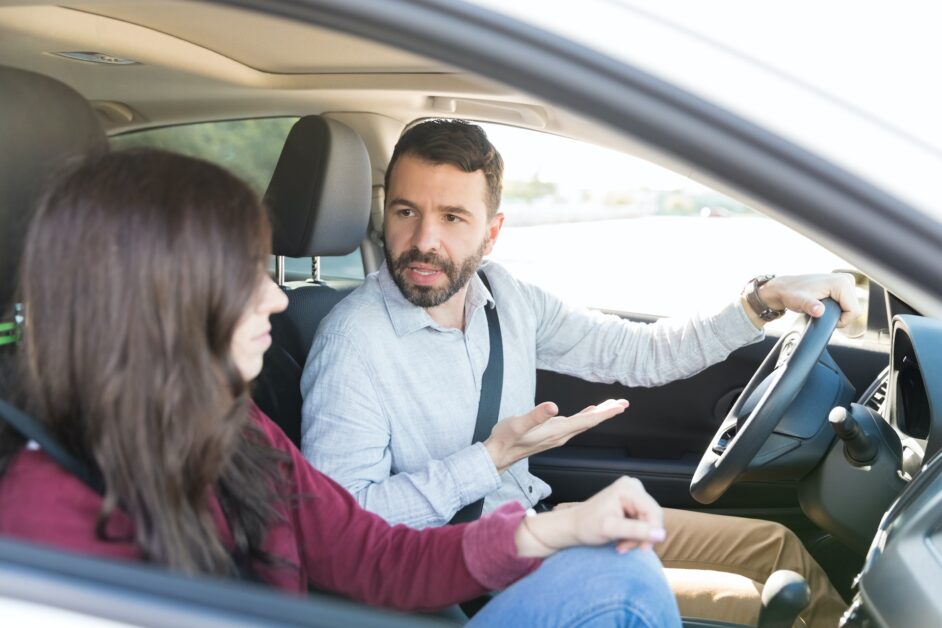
(415, 256)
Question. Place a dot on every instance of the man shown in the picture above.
(392, 382)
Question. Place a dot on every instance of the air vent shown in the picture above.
(878, 397)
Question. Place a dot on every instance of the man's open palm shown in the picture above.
(541, 428)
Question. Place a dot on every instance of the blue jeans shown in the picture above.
(587, 586)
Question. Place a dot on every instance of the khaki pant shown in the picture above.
(716, 566)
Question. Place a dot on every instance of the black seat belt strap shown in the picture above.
(31, 429)
(492, 383)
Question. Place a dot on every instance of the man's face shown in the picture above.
(435, 228)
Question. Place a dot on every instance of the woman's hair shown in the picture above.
(137, 267)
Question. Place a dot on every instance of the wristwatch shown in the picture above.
(755, 302)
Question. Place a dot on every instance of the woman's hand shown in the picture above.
(623, 513)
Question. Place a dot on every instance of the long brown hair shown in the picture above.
(137, 267)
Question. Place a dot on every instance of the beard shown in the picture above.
(458, 275)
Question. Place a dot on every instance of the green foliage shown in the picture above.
(619, 198)
(528, 191)
(249, 148)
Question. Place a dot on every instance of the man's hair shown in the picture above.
(137, 268)
(457, 143)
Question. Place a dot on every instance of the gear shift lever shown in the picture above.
(858, 445)
(784, 596)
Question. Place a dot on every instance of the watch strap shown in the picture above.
(760, 307)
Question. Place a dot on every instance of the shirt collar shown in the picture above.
(407, 317)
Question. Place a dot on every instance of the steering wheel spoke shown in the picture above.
(724, 435)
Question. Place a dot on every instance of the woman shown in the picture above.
(147, 303)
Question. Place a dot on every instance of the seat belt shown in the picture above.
(489, 404)
(31, 429)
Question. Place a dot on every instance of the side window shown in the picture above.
(250, 149)
(607, 230)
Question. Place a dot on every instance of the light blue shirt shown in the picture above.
(391, 397)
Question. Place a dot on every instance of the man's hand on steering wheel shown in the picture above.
(764, 401)
(803, 293)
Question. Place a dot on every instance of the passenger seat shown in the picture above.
(319, 197)
(43, 123)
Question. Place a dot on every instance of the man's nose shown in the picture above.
(427, 235)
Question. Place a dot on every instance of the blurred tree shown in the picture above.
(249, 148)
(528, 191)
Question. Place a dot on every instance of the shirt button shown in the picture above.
(530, 488)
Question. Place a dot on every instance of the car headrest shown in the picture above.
(43, 123)
(319, 194)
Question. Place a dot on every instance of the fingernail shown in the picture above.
(621, 550)
(656, 535)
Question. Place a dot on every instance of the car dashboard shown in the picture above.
(898, 583)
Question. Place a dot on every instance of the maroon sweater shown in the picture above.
(332, 543)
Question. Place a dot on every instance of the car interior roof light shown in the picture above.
(96, 57)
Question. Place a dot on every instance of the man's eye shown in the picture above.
(452, 218)
(405, 212)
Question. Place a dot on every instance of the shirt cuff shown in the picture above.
(473, 473)
(489, 547)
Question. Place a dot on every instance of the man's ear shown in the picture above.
(493, 230)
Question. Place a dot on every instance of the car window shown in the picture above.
(608, 230)
(249, 148)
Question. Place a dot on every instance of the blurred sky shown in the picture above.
(573, 164)
(855, 82)
(881, 58)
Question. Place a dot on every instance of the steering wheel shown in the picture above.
(761, 406)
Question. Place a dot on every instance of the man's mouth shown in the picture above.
(429, 279)
(422, 273)
(424, 270)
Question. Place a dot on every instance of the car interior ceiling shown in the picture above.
(182, 58)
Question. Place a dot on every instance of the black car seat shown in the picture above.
(43, 123)
(319, 197)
